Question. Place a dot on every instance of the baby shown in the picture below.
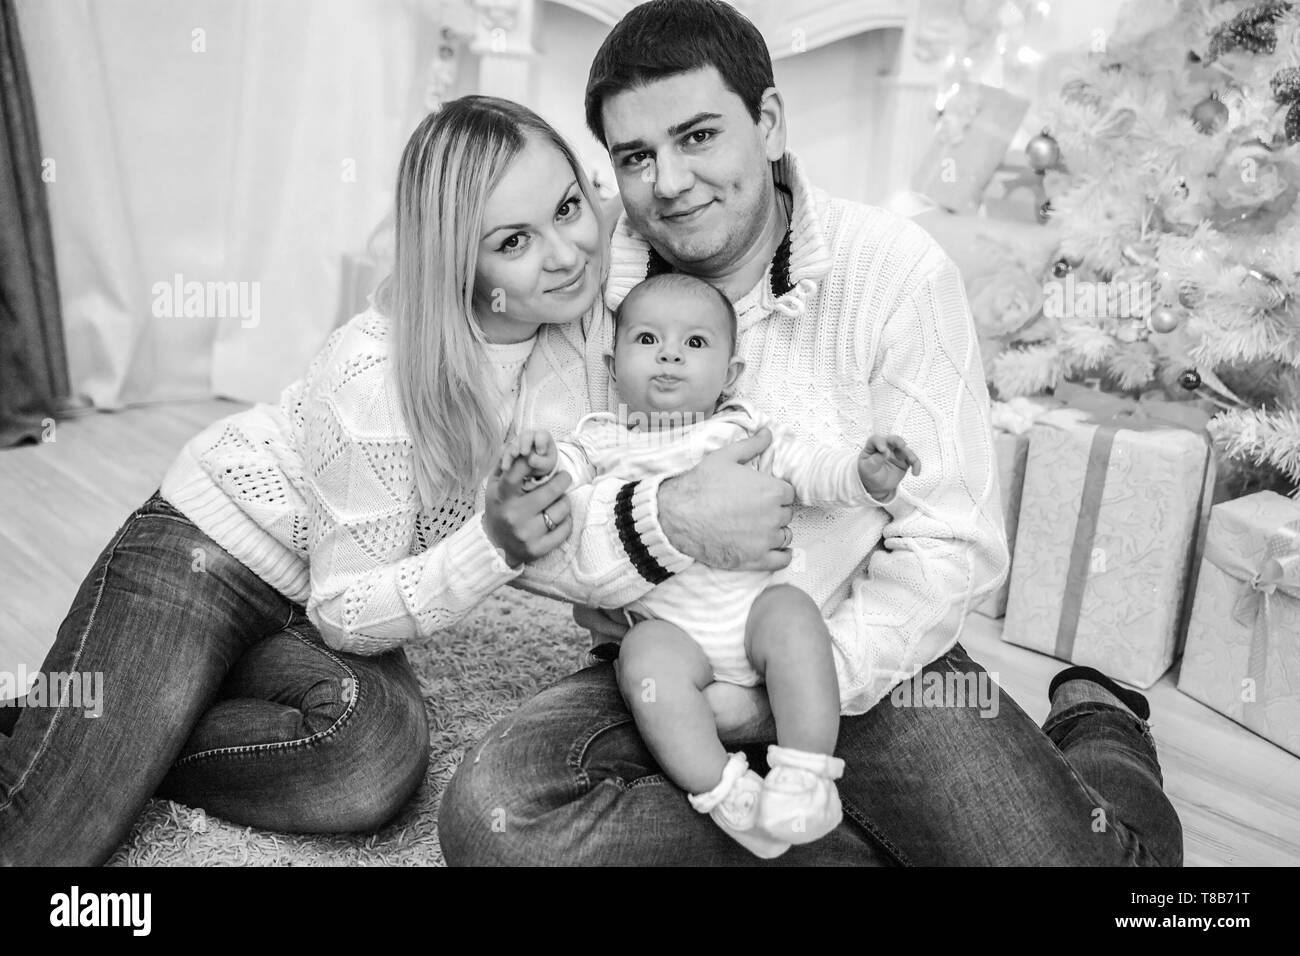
(674, 365)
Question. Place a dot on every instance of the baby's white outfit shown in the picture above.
(709, 604)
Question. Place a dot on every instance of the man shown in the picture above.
(851, 320)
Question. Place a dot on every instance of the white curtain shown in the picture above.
(223, 141)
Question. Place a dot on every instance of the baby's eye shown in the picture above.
(645, 338)
(697, 342)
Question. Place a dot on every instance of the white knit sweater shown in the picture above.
(316, 495)
(873, 335)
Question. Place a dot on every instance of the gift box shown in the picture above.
(1011, 423)
(974, 131)
(1112, 501)
(1243, 642)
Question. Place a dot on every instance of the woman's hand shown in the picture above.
(525, 525)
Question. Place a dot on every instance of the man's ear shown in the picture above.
(609, 365)
(733, 373)
(771, 123)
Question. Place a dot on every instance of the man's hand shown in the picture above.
(742, 714)
(728, 515)
(883, 463)
(526, 524)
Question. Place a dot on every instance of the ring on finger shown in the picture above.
(550, 525)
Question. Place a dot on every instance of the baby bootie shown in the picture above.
(733, 805)
(800, 802)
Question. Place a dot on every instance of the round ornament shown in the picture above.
(1210, 114)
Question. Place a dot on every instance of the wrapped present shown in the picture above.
(1112, 502)
(975, 129)
(1011, 423)
(1243, 643)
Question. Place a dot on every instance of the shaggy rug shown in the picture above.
(511, 647)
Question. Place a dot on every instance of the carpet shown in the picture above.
(508, 649)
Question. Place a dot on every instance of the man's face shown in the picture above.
(693, 167)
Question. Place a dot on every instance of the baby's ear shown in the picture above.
(734, 370)
(609, 365)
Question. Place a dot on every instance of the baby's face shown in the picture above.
(673, 353)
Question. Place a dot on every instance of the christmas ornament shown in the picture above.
(1286, 85)
(1190, 294)
(1252, 30)
(1292, 125)
(1210, 114)
(1190, 380)
(1163, 319)
(1043, 152)
(1061, 268)
(1278, 294)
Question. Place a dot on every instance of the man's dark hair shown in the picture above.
(687, 283)
(667, 37)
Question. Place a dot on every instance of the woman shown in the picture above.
(248, 618)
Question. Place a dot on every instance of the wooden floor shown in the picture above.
(1237, 795)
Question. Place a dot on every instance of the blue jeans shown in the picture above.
(567, 780)
(217, 692)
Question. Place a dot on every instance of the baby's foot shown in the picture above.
(733, 805)
(800, 802)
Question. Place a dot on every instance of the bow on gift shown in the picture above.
(1278, 571)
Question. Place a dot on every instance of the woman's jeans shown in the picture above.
(952, 773)
(217, 691)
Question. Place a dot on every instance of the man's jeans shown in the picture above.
(217, 692)
(567, 780)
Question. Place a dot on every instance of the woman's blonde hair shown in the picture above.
(451, 164)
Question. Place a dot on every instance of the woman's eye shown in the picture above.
(696, 342)
(645, 338)
(513, 243)
(569, 209)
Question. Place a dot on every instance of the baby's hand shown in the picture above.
(883, 463)
(535, 445)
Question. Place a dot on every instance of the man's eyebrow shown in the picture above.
(674, 130)
(523, 225)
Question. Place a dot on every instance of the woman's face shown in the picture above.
(538, 255)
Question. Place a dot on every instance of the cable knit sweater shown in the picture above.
(859, 325)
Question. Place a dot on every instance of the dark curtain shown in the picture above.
(33, 362)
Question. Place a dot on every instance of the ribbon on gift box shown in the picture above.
(1279, 570)
(1112, 413)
